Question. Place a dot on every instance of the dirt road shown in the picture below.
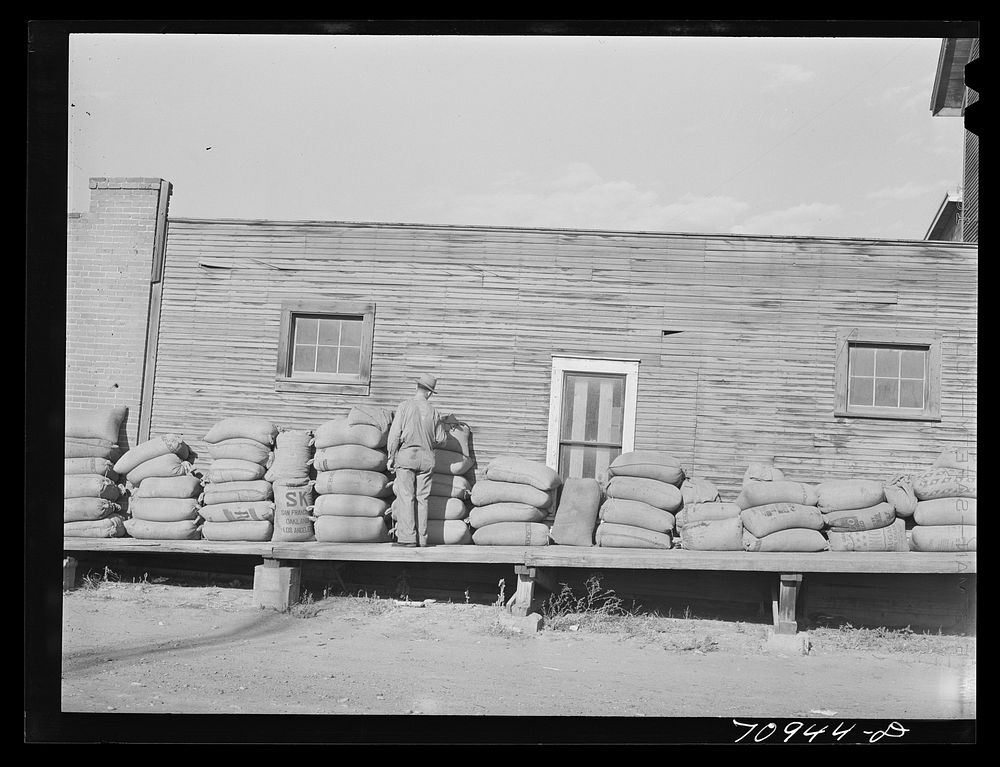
(147, 647)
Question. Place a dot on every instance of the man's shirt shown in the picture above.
(415, 431)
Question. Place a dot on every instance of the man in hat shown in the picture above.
(416, 430)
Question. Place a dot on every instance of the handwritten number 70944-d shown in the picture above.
(809, 732)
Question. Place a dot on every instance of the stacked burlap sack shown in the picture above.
(238, 501)
(290, 475)
(163, 488)
(510, 506)
(706, 522)
(92, 495)
(643, 495)
(858, 517)
(353, 488)
(945, 513)
(778, 514)
(448, 516)
(577, 511)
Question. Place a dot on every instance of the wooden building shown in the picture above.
(838, 357)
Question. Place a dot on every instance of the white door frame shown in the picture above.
(565, 364)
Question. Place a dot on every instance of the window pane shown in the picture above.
(577, 461)
(617, 419)
(862, 361)
(326, 359)
(571, 461)
(886, 392)
(588, 411)
(350, 333)
(565, 419)
(329, 332)
(911, 394)
(606, 430)
(912, 364)
(862, 391)
(604, 457)
(305, 330)
(887, 363)
(574, 407)
(350, 360)
(593, 405)
(304, 360)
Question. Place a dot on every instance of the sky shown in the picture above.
(819, 136)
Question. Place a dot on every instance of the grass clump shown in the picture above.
(373, 604)
(306, 607)
(94, 580)
(889, 640)
(596, 609)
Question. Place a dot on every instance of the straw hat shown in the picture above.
(428, 382)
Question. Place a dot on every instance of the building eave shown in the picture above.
(948, 93)
(951, 202)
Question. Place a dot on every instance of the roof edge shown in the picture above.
(950, 198)
(552, 230)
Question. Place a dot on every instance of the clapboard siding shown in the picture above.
(750, 371)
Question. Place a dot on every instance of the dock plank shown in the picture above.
(559, 556)
(777, 562)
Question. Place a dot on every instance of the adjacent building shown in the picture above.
(958, 216)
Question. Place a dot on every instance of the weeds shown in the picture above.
(882, 639)
(373, 605)
(497, 628)
(306, 607)
(501, 595)
(94, 580)
(601, 610)
(598, 609)
(597, 599)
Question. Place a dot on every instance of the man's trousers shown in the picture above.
(412, 488)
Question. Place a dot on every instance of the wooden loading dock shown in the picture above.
(276, 580)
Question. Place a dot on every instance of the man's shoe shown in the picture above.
(405, 545)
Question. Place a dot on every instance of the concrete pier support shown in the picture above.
(276, 584)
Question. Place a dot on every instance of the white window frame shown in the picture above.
(566, 364)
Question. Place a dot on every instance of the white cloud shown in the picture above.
(802, 219)
(579, 198)
(783, 75)
(904, 192)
